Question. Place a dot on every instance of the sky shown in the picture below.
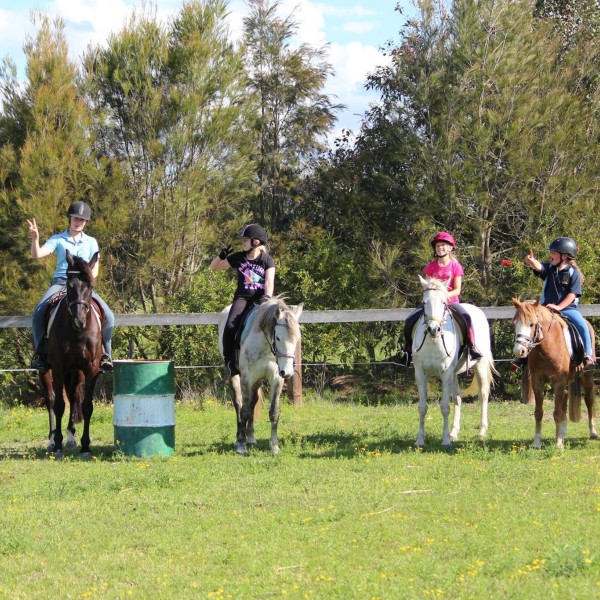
(356, 31)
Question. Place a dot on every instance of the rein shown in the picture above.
(428, 319)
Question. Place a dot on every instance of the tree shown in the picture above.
(293, 113)
(171, 109)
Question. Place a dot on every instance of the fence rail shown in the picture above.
(371, 315)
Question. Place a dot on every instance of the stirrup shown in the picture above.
(404, 359)
(588, 363)
(38, 363)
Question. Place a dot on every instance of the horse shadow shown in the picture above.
(102, 453)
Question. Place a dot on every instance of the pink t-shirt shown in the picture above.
(450, 271)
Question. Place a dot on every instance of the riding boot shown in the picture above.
(588, 363)
(38, 360)
(106, 363)
(232, 368)
(475, 354)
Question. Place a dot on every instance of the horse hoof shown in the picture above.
(252, 442)
(86, 456)
(594, 436)
(446, 446)
(50, 448)
(71, 445)
(453, 438)
(275, 450)
(241, 450)
(58, 455)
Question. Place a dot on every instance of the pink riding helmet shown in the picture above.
(443, 236)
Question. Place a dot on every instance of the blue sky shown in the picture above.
(355, 29)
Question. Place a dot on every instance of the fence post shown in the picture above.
(295, 382)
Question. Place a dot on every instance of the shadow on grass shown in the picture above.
(103, 453)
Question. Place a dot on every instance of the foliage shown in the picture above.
(293, 113)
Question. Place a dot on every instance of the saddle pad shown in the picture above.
(246, 326)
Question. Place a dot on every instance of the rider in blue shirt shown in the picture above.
(79, 244)
(562, 287)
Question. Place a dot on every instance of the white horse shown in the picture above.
(437, 343)
(267, 349)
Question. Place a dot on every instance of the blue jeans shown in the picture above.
(39, 313)
(577, 319)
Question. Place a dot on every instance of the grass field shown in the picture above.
(349, 510)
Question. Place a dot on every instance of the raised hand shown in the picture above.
(33, 230)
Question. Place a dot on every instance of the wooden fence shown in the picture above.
(371, 315)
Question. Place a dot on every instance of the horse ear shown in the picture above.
(424, 282)
(516, 302)
(70, 260)
(537, 301)
(297, 310)
(94, 260)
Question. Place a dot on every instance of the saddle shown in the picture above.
(54, 303)
(574, 341)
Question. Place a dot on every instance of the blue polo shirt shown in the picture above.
(559, 283)
(84, 247)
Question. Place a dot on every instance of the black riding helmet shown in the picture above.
(564, 245)
(79, 209)
(255, 232)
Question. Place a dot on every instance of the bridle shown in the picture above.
(72, 303)
(440, 320)
(273, 344)
(536, 336)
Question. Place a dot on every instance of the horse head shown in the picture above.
(279, 322)
(528, 326)
(80, 285)
(435, 305)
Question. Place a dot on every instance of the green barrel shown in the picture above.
(144, 407)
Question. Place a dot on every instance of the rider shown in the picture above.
(447, 269)
(562, 287)
(79, 244)
(255, 283)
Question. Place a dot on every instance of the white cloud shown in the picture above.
(358, 26)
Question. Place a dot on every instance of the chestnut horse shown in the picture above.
(74, 352)
(267, 350)
(540, 336)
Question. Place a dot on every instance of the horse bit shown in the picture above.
(428, 319)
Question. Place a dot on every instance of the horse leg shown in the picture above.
(274, 411)
(457, 399)
(250, 437)
(48, 389)
(483, 374)
(447, 392)
(587, 380)
(538, 392)
(244, 413)
(59, 410)
(88, 410)
(71, 441)
(560, 413)
(421, 380)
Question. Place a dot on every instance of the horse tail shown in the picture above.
(477, 382)
(575, 399)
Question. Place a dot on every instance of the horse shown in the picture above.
(267, 349)
(540, 336)
(74, 352)
(437, 351)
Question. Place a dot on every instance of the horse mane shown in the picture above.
(270, 312)
(529, 311)
(437, 284)
(84, 271)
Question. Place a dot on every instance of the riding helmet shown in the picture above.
(564, 245)
(443, 236)
(79, 209)
(255, 232)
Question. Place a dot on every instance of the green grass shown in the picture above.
(349, 509)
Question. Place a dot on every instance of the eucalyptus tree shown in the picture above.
(294, 114)
(172, 113)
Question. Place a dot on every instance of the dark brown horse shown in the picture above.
(540, 336)
(74, 352)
